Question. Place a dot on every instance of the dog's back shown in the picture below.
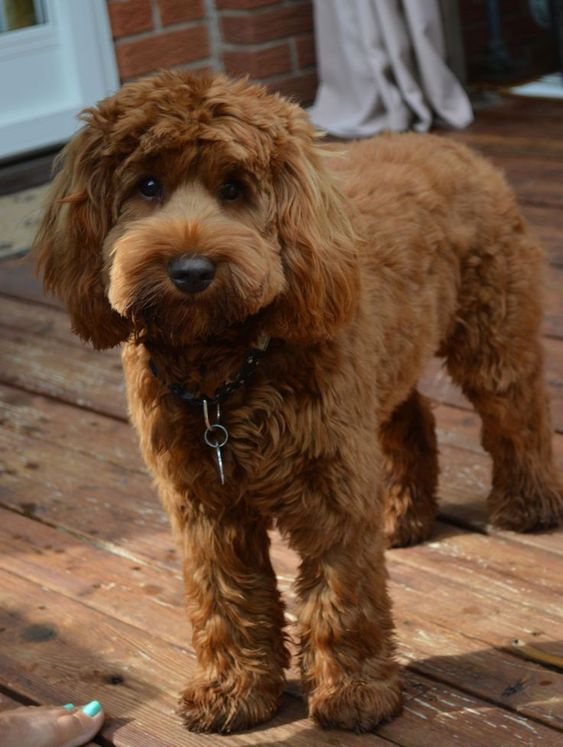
(441, 228)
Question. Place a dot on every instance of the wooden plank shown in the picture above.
(527, 577)
(547, 225)
(461, 428)
(107, 474)
(18, 279)
(84, 377)
(533, 175)
(87, 498)
(538, 118)
(532, 164)
(40, 479)
(451, 709)
(553, 299)
(51, 363)
(466, 476)
(83, 584)
(426, 606)
(148, 596)
(509, 143)
(536, 181)
(516, 124)
(55, 643)
(73, 430)
(32, 319)
(464, 485)
(59, 563)
(57, 649)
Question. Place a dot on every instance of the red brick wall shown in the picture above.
(271, 40)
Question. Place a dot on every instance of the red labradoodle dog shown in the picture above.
(197, 220)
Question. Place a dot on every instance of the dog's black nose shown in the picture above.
(191, 273)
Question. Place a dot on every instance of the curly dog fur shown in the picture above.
(359, 268)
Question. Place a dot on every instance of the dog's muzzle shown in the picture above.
(191, 273)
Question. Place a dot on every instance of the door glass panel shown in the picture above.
(20, 14)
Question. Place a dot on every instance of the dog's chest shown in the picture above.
(284, 439)
(231, 453)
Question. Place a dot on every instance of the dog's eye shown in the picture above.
(231, 191)
(150, 187)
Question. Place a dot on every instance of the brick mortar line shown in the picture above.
(304, 35)
(119, 41)
(279, 77)
(214, 34)
(193, 65)
(184, 24)
(256, 47)
(293, 56)
(242, 12)
(156, 19)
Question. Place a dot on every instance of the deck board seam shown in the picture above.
(109, 549)
(521, 605)
(6, 381)
(467, 691)
(9, 382)
(35, 301)
(103, 613)
(447, 519)
(411, 666)
(88, 539)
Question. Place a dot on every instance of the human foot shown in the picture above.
(50, 726)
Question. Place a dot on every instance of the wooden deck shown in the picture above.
(90, 588)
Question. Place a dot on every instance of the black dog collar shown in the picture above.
(251, 361)
(215, 434)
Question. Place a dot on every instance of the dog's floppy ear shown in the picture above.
(319, 246)
(68, 246)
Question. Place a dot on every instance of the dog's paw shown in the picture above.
(542, 509)
(406, 523)
(226, 707)
(357, 705)
(407, 531)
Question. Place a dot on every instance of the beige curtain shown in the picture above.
(382, 66)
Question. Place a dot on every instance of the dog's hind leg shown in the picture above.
(409, 446)
(495, 355)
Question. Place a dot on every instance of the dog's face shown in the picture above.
(188, 205)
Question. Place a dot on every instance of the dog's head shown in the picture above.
(187, 205)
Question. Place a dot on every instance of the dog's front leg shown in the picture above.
(346, 631)
(237, 618)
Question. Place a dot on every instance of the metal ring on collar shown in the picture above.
(208, 432)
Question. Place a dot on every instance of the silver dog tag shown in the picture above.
(215, 436)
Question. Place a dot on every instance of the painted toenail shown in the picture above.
(92, 709)
(69, 706)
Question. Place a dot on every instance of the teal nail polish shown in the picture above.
(69, 706)
(92, 709)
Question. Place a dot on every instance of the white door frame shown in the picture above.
(77, 36)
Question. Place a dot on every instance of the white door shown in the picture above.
(57, 60)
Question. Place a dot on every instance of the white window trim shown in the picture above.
(87, 45)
